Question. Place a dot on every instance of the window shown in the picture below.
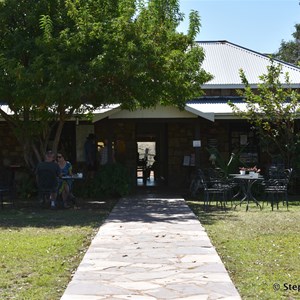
(246, 141)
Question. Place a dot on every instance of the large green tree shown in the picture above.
(59, 57)
(272, 109)
(289, 51)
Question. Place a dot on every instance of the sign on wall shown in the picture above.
(196, 143)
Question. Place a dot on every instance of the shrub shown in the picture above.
(26, 186)
(110, 180)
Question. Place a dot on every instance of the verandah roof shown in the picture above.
(216, 107)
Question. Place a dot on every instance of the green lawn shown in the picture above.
(260, 248)
(40, 248)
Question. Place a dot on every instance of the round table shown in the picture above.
(246, 183)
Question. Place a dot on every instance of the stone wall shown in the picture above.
(217, 134)
(10, 150)
(181, 136)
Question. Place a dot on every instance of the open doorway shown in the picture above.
(152, 156)
(146, 154)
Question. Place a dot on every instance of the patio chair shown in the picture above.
(276, 189)
(215, 187)
(196, 184)
(217, 178)
(279, 173)
(215, 191)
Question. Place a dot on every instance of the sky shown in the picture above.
(259, 25)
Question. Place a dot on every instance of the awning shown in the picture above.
(213, 108)
(210, 108)
(6, 109)
(98, 114)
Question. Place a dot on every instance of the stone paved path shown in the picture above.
(151, 247)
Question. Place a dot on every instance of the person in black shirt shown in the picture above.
(47, 173)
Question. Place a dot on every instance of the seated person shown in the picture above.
(65, 185)
(47, 173)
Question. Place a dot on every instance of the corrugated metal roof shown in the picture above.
(216, 99)
(224, 60)
(215, 107)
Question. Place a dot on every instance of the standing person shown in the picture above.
(65, 185)
(47, 174)
(104, 154)
(90, 150)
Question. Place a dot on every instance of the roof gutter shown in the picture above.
(241, 86)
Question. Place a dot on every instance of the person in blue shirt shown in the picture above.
(65, 185)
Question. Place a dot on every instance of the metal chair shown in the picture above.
(196, 185)
(214, 189)
(215, 186)
(276, 189)
(217, 178)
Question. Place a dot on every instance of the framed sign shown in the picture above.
(186, 160)
(196, 143)
(243, 139)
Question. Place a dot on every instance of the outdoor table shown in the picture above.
(75, 176)
(71, 178)
(246, 183)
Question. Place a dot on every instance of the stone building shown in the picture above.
(178, 139)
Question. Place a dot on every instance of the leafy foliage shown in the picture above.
(272, 109)
(47, 26)
(227, 166)
(289, 51)
(59, 57)
(112, 180)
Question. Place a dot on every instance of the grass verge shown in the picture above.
(40, 249)
(259, 248)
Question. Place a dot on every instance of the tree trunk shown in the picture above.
(58, 135)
